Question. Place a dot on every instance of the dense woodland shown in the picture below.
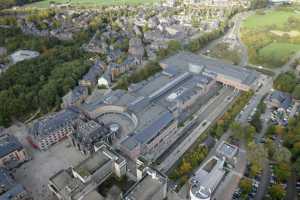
(39, 84)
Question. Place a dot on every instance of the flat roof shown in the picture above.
(68, 186)
(61, 179)
(154, 128)
(93, 163)
(182, 60)
(94, 195)
(130, 143)
(227, 149)
(207, 178)
(148, 188)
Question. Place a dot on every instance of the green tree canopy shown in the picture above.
(277, 192)
(285, 82)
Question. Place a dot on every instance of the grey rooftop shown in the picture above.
(181, 62)
(50, 123)
(148, 188)
(9, 144)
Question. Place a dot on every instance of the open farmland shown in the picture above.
(46, 3)
(272, 36)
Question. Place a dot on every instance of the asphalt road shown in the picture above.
(255, 100)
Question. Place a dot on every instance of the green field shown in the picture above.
(46, 3)
(264, 46)
(275, 17)
(279, 50)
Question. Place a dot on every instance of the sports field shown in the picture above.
(46, 3)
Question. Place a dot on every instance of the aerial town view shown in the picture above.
(149, 99)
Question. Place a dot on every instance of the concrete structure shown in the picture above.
(53, 128)
(81, 182)
(9, 189)
(89, 133)
(227, 152)
(21, 55)
(152, 186)
(206, 179)
(12, 151)
(156, 106)
(227, 74)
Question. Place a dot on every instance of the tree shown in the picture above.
(282, 154)
(194, 46)
(237, 130)
(257, 156)
(296, 166)
(174, 46)
(285, 82)
(185, 167)
(256, 122)
(249, 132)
(246, 185)
(296, 149)
(277, 192)
(282, 171)
(279, 130)
(296, 92)
(255, 4)
(271, 130)
(242, 132)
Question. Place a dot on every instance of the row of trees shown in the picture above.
(291, 139)
(242, 132)
(256, 121)
(192, 159)
(197, 44)
(256, 4)
(227, 119)
(223, 51)
(139, 75)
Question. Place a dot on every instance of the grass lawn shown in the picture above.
(264, 48)
(279, 51)
(277, 18)
(46, 3)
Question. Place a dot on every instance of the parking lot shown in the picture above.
(34, 174)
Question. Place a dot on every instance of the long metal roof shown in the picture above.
(154, 129)
(181, 62)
